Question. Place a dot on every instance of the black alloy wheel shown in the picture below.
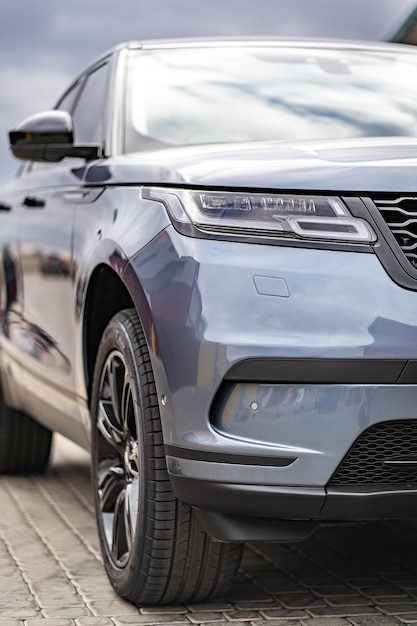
(118, 461)
(154, 549)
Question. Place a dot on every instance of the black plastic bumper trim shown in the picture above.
(321, 371)
(409, 374)
(351, 504)
(253, 500)
(297, 503)
(242, 529)
(218, 457)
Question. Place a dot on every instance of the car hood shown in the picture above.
(365, 165)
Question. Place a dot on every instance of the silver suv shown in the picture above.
(209, 276)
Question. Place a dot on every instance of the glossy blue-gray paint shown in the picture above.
(355, 165)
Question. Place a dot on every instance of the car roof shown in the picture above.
(221, 42)
(293, 42)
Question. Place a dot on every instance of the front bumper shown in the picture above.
(269, 363)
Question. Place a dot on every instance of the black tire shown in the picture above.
(25, 445)
(154, 549)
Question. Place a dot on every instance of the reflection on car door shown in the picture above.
(46, 330)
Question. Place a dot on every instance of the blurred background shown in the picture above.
(44, 44)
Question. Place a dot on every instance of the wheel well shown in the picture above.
(105, 297)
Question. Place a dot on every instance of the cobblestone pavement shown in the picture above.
(51, 573)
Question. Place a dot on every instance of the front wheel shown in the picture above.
(154, 549)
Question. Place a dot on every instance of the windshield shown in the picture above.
(234, 94)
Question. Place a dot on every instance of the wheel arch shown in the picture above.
(106, 295)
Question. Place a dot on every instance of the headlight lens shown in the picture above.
(305, 216)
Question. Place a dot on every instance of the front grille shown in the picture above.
(366, 462)
(400, 215)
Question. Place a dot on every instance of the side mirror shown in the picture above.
(48, 136)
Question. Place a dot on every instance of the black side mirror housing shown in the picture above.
(48, 136)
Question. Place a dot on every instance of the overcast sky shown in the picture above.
(45, 43)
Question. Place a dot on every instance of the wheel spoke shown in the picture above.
(110, 484)
(131, 512)
(121, 539)
(117, 376)
(110, 432)
(128, 416)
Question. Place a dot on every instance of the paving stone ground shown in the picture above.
(51, 572)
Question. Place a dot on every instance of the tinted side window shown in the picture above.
(89, 110)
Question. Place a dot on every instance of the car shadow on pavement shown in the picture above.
(358, 573)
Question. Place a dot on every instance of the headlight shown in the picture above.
(277, 215)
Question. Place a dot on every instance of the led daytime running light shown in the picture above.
(241, 202)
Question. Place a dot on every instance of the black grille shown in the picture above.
(368, 460)
(400, 215)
